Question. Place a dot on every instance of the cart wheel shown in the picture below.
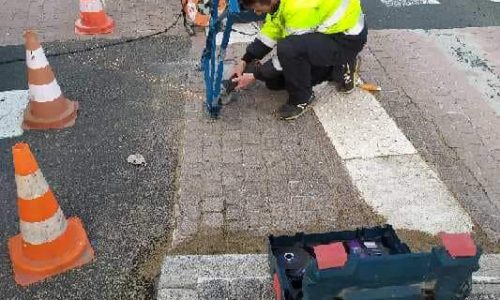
(464, 290)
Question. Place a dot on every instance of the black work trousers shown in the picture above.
(304, 61)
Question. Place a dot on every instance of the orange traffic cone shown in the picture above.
(194, 16)
(48, 108)
(49, 243)
(93, 19)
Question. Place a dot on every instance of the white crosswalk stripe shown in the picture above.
(401, 3)
(385, 167)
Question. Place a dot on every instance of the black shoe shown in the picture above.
(348, 82)
(290, 112)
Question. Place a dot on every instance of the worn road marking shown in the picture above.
(385, 167)
(401, 3)
(242, 33)
(469, 56)
(360, 127)
(12, 105)
(405, 190)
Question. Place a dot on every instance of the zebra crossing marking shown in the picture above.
(385, 167)
(402, 3)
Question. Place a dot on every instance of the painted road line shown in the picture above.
(405, 190)
(401, 3)
(359, 127)
(248, 277)
(387, 170)
(469, 56)
(12, 106)
(242, 33)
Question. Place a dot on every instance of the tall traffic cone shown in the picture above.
(93, 19)
(49, 243)
(48, 108)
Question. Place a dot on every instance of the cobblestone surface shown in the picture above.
(215, 277)
(249, 172)
(54, 20)
(443, 116)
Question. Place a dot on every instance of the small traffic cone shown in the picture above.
(93, 19)
(48, 108)
(194, 16)
(49, 243)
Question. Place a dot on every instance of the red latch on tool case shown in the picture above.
(330, 256)
(458, 244)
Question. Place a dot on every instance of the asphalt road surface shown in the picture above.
(431, 14)
(129, 104)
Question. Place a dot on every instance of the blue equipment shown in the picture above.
(212, 62)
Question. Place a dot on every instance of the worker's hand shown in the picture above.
(244, 80)
(239, 68)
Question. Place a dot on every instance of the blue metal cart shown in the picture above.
(212, 61)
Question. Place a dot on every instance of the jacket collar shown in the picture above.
(275, 8)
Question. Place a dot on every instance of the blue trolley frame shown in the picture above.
(213, 62)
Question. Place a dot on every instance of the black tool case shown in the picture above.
(370, 263)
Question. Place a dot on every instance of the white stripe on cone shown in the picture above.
(36, 59)
(90, 6)
(31, 186)
(45, 92)
(37, 233)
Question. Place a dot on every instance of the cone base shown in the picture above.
(105, 28)
(67, 119)
(28, 271)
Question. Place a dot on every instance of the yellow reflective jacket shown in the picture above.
(295, 17)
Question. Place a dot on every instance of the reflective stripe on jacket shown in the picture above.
(295, 17)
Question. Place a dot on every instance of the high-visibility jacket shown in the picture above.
(295, 17)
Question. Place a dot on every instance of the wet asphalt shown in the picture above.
(129, 104)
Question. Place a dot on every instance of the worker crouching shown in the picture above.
(316, 41)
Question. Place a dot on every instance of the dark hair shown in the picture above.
(248, 3)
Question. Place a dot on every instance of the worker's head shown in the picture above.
(260, 6)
